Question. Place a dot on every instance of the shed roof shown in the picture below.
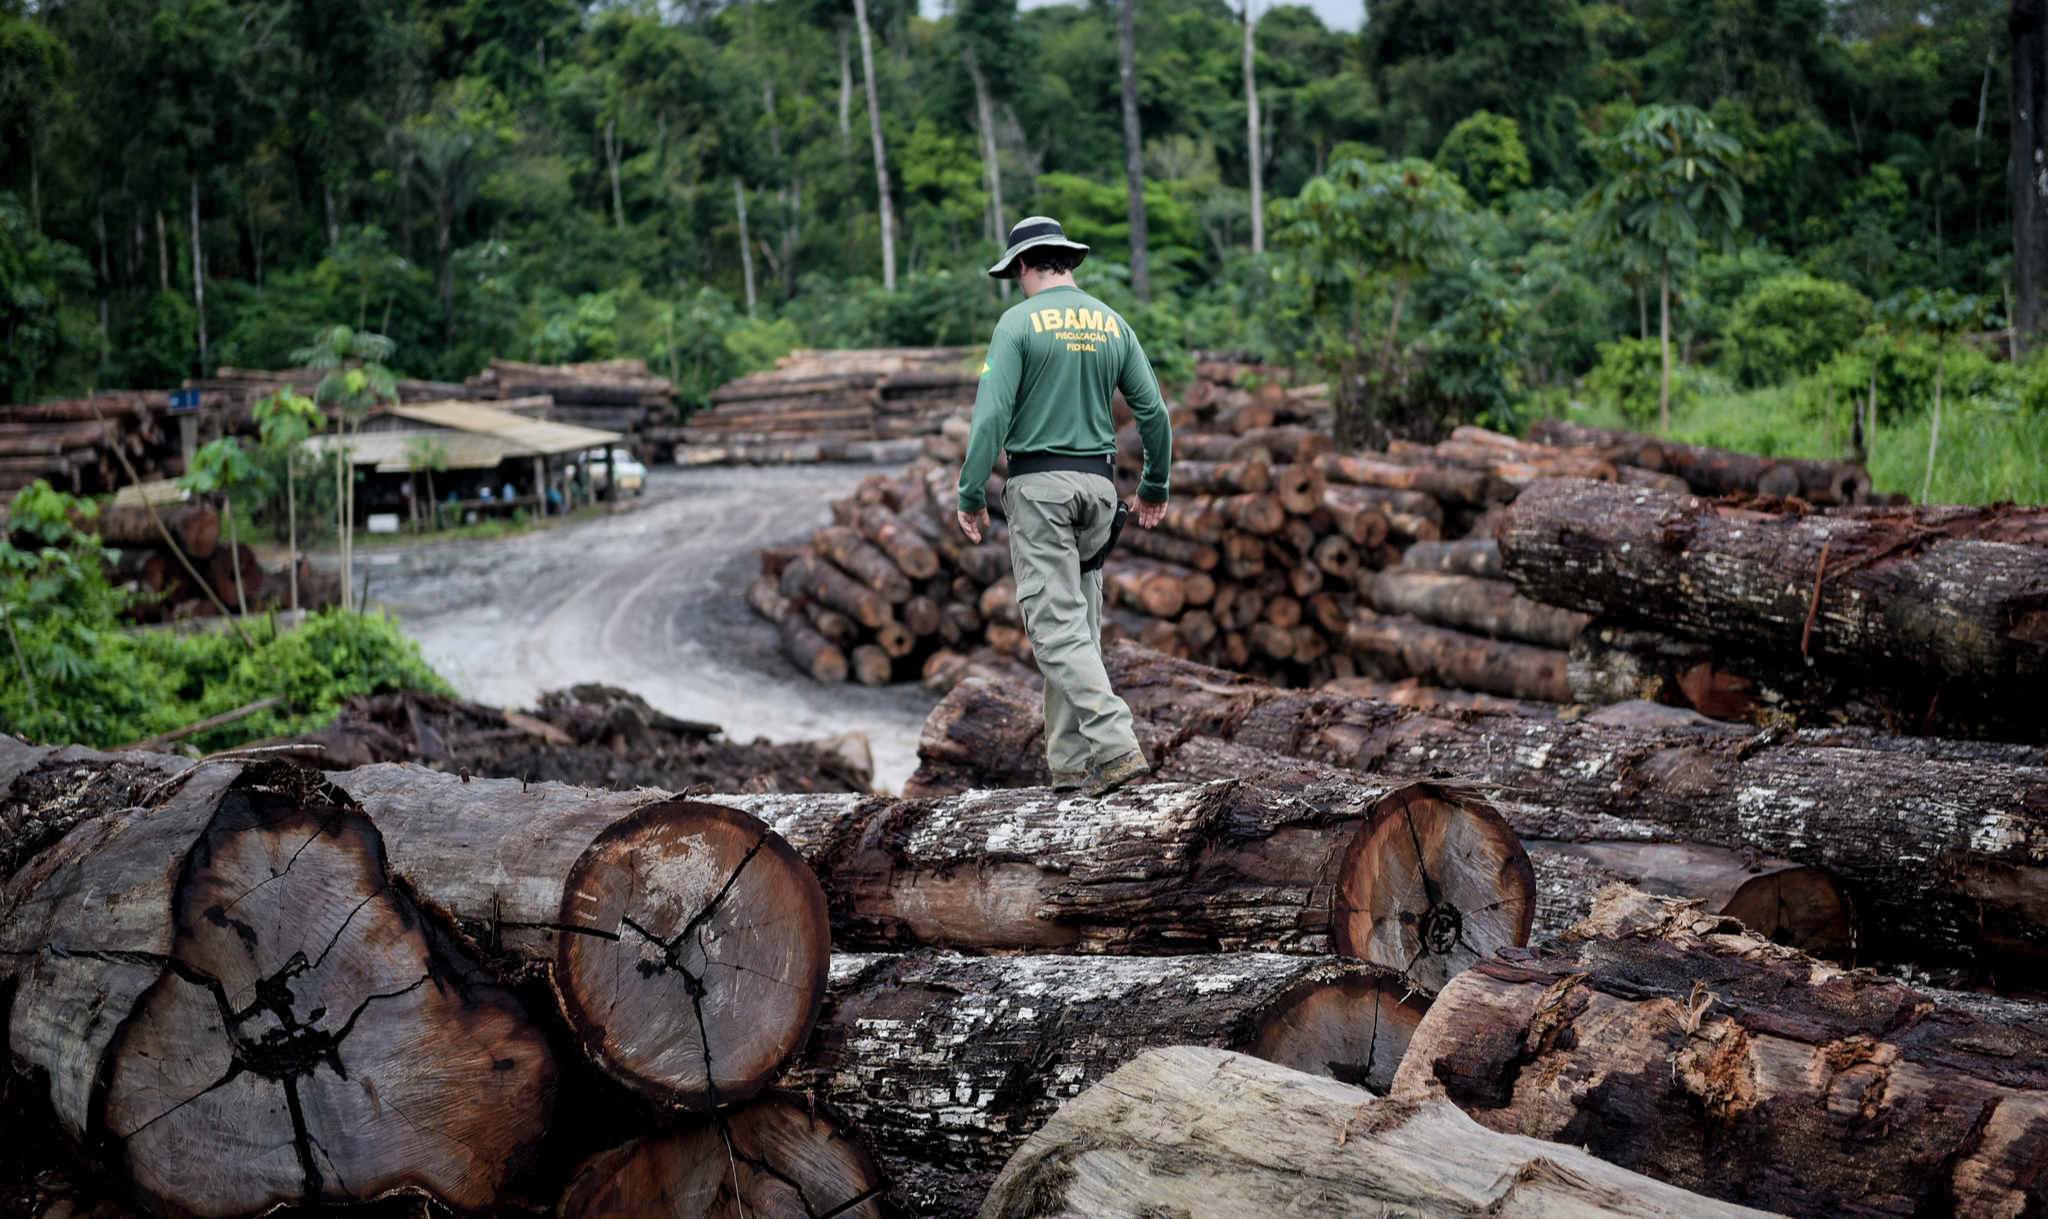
(389, 451)
(533, 436)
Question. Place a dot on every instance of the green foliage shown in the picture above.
(356, 378)
(1485, 153)
(35, 275)
(223, 465)
(1791, 325)
(1628, 377)
(72, 673)
(1671, 183)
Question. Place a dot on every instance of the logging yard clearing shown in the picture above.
(645, 601)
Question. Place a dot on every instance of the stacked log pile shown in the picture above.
(71, 443)
(613, 395)
(186, 568)
(882, 405)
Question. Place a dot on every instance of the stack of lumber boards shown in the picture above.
(821, 405)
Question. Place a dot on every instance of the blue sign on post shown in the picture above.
(184, 400)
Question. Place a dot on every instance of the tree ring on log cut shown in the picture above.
(1433, 883)
(770, 1159)
(1798, 907)
(1353, 1029)
(694, 953)
(313, 1040)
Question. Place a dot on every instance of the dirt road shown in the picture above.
(649, 600)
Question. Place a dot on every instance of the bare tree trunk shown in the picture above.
(845, 95)
(291, 516)
(1257, 166)
(888, 211)
(1134, 146)
(163, 255)
(611, 156)
(1870, 413)
(990, 162)
(1664, 335)
(235, 552)
(333, 223)
(739, 202)
(198, 278)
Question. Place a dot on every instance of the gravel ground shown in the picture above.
(651, 600)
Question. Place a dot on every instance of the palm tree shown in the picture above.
(285, 420)
(356, 380)
(1671, 185)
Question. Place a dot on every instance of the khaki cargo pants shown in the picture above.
(1057, 519)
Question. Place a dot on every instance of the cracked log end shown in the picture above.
(696, 955)
(770, 1159)
(310, 1040)
(1353, 1029)
(1435, 882)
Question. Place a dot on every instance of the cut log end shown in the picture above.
(695, 926)
(1798, 907)
(1434, 883)
(772, 1159)
(1354, 1029)
(312, 1041)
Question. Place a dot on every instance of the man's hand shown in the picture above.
(1148, 513)
(972, 523)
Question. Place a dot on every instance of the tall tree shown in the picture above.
(2027, 172)
(1671, 184)
(1134, 145)
(888, 212)
(1256, 166)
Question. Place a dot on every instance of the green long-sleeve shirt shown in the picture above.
(1045, 388)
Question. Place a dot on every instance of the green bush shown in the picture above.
(1485, 152)
(74, 674)
(1792, 324)
(1629, 377)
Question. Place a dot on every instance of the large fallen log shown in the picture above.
(1207, 1134)
(1412, 876)
(1959, 618)
(1716, 471)
(1491, 607)
(1939, 844)
(1671, 1042)
(774, 1157)
(237, 1008)
(1403, 647)
(1440, 482)
(685, 943)
(943, 1064)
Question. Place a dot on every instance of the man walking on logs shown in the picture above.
(1044, 396)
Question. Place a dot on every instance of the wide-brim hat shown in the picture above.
(1029, 232)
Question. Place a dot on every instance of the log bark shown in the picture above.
(774, 1157)
(1196, 520)
(686, 944)
(871, 665)
(902, 543)
(1145, 588)
(809, 651)
(1784, 902)
(1405, 647)
(1490, 607)
(1364, 524)
(196, 528)
(1938, 843)
(943, 1064)
(1440, 482)
(810, 575)
(857, 557)
(1154, 544)
(1220, 477)
(1207, 1134)
(1939, 611)
(1716, 471)
(1216, 866)
(1292, 445)
(1478, 557)
(255, 1012)
(1414, 503)
(1727, 1064)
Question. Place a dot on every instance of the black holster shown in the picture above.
(1095, 561)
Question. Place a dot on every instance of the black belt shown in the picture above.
(1049, 463)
